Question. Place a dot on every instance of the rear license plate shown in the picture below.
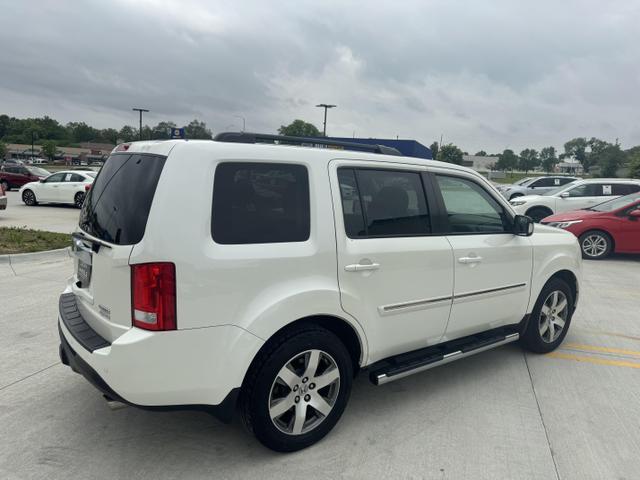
(84, 274)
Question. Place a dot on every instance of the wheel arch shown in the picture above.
(570, 279)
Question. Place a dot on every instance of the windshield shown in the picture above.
(616, 203)
(38, 172)
(559, 189)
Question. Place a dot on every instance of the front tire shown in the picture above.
(550, 318)
(297, 388)
(595, 244)
(29, 198)
(538, 213)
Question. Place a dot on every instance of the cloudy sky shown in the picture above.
(485, 75)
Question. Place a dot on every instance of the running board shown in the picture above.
(400, 366)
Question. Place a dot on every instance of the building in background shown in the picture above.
(85, 154)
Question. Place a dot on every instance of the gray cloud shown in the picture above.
(486, 75)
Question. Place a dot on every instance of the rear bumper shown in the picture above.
(200, 369)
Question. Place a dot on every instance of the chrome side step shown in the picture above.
(402, 366)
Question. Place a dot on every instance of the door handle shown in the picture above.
(470, 259)
(362, 267)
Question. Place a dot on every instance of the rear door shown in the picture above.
(492, 265)
(72, 182)
(113, 219)
(395, 274)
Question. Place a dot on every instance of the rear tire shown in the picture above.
(78, 200)
(538, 213)
(29, 198)
(595, 244)
(550, 319)
(281, 412)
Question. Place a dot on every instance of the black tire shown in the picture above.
(29, 198)
(516, 195)
(262, 378)
(6, 185)
(595, 244)
(532, 339)
(538, 213)
(78, 199)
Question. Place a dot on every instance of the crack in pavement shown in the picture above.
(28, 376)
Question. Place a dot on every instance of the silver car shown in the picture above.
(534, 186)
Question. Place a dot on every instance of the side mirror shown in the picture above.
(564, 195)
(635, 213)
(523, 226)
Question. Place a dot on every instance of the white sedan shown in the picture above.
(575, 196)
(62, 187)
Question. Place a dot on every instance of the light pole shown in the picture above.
(243, 121)
(326, 107)
(140, 110)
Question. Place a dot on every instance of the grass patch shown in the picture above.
(22, 240)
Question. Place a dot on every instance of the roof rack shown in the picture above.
(245, 137)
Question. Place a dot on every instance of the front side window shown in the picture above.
(545, 182)
(56, 177)
(470, 208)
(260, 203)
(383, 203)
(590, 190)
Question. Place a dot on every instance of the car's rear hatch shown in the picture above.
(113, 219)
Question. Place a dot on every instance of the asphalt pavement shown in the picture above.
(503, 414)
(49, 217)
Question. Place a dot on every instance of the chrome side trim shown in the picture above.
(498, 290)
(448, 358)
(412, 305)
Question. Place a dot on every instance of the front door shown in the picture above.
(492, 265)
(395, 275)
(49, 190)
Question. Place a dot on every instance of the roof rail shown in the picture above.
(245, 137)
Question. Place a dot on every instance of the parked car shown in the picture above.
(12, 162)
(62, 187)
(534, 186)
(266, 276)
(15, 176)
(574, 196)
(3, 197)
(612, 226)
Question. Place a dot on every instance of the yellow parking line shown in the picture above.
(596, 360)
(593, 348)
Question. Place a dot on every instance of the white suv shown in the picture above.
(222, 274)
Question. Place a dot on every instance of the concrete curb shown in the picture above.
(47, 255)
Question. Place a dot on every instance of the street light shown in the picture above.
(140, 110)
(326, 107)
(243, 121)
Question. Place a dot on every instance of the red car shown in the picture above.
(14, 176)
(612, 226)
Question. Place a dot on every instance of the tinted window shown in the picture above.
(382, 203)
(56, 177)
(260, 203)
(10, 169)
(470, 208)
(588, 190)
(75, 178)
(545, 182)
(624, 188)
(117, 205)
(564, 181)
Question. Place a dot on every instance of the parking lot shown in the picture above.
(48, 217)
(571, 414)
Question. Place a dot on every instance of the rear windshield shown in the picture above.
(117, 205)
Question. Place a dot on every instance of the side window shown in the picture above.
(564, 181)
(624, 188)
(74, 177)
(588, 190)
(543, 182)
(470, 208)
(260, 203)
(389, 203)
(56, 177)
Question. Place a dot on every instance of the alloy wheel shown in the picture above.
(304, 392)
(28, 197)
(594, 245)
(553, 316)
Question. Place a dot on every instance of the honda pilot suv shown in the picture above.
(234, 275)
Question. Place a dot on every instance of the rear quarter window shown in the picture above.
(260, 203)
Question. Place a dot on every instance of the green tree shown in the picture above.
(161, 130)
(49, 149)
(127, 134)
(3, 150)
(434, 149)
(577, 149)
(548, 159)
(197, 129)
(81, 132)
(299, 128)
(634, 165)
(481, 153)
(450, 153)
(507, 160)
(610, 159)
(528, 159)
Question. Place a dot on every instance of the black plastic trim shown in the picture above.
(77, 326)
(223, 411)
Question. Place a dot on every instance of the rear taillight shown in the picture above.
(123, 147)
(153, 296)
(87, 187)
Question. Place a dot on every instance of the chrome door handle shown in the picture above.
(470, 259)
(362, 267)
